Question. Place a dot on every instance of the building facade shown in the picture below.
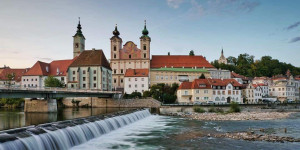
(218, 91)
(90, 70)
(128, 57)
(11, 77)
(136, 80)
(219, 74)
(222, 59)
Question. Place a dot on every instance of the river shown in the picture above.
(15, 118)
(167, 132)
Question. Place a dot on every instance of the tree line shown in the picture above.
(246, 65)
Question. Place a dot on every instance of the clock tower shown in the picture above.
(78, 41)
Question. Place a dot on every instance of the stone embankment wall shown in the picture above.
(113, 103)
(40, 106)
(244, 108)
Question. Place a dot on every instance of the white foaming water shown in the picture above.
(70, 136)
(125, 137)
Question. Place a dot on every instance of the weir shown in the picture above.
(66, 134)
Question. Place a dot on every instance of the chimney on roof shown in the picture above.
(195, 67)
(168, 53)
(171, 66)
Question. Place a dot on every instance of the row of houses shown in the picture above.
(240, 89)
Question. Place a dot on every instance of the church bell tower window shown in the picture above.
(145, 48)
(115, 48)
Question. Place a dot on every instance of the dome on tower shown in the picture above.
(116, 32)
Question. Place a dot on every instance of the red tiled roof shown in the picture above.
(137, 73)
(18, 74)
(179, 61)
(91, 58)
(196, 84)
(39, 68)
(185, 85)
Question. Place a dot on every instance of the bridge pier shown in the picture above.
(44, 106)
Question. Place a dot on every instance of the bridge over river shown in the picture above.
(48, 96)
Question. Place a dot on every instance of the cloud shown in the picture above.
(293, 25)
(174, 3)
(295, 39)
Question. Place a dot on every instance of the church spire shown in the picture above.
(145, 32)
(79, 32)
(116, 32)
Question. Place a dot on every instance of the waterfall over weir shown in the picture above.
(66, 134)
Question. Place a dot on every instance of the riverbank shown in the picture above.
(233, 116)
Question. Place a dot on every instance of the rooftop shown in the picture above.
(180, 69)
(137, 73)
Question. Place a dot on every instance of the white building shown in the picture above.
(136, 80)
(90, 70)
(219, 74)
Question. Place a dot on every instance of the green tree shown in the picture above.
(11, 102)
(50, 81)
(192, 53)
(10, 77)
(164, 93)
(202, 76)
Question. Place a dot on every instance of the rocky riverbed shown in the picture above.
(234, 116)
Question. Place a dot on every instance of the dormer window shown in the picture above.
(47, 69)
(202, 85)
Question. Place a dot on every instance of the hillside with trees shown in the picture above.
(246, 65)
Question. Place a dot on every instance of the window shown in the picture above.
(121, 80)
(233, 92)
(115, 80)
(219, 92)
(197, 98)
(23, 79)
(27, 79)
(229, 92)
(36, 79)
(31, 79)
(142, 79)
(214, 92)
(237, 92)
(157, 77)
(115, 56)
(115, 48)
(95, 85)
(145, 47)
(205, 98)
(162, 77)
(83, 72)
(142, 85)
(135, 79)
(62, 79)
(197, 91)
(121, 70)
(73, 72)
(166, 77)
(95, 78)
(95, 71)
(186, 92)
(135, 85)
(129, 85)
(72, 85)
(205, 91)
(115, 71)
(73, 78)
(145, 55)
(83, 79)
(83, 85)
(129, 56)
(171, 77)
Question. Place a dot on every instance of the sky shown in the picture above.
(35, 30)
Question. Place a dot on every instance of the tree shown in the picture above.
(50, 81)
(10, 77)
(164, 93)
(202, 76)
(147, 94)
(192, 53)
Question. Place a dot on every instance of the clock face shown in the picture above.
(76, 45)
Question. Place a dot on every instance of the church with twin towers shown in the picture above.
(122, 57)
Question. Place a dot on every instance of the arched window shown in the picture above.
(145, 48)
(115, 56)
(217, 99)
(129, 56)
(223, 98)
(115, 48)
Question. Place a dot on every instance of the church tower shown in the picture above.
(222, 59)
(115, 44)
(78, 41)
(145, 43)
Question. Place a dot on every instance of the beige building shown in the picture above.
(175, 75)
(209, 91)
(128, 57)
(222, 59)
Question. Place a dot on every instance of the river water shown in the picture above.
(165, 132)
(15, 118)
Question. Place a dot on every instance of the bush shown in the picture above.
(212, 109)
(219, 110)
(147, 94)
(199, 110)
(234, 107)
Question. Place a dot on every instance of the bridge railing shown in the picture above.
(59, 89)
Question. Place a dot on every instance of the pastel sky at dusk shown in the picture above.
(35, 30)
